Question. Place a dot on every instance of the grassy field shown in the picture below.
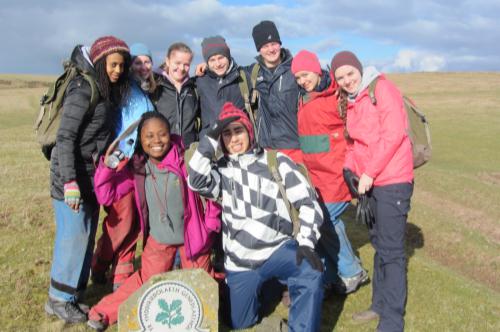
(453, 233)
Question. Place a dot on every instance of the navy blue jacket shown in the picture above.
(214, 91)
(278, 102)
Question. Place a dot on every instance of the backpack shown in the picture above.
(250, 97)
(49, 118)
(272, 164)
(418, 131)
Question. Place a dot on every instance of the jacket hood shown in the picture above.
(326, 87)
(80, 57)
(369, 74)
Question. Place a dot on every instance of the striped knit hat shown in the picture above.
(229, 110)
(214, 45)
(105, 46)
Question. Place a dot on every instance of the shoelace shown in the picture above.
(73, 308)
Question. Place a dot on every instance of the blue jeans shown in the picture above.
(334, 246)
(304, 284)
(73, 246)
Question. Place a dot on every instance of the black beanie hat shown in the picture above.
(214, 45)
(265, 32)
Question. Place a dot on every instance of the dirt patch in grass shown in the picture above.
(475, 219)
(451, 248)
(490, 177)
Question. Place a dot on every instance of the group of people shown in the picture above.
(127, 153)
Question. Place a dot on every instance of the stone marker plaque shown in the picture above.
(180, 300)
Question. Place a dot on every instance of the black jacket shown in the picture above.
(83, 135)
(181, 109)
(278, 100)
(214, 91)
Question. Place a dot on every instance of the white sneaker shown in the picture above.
(353, 283)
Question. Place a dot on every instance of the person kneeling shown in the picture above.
(257, 229)
(169, 212)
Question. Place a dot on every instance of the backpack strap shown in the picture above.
(245, 93)
(272, 164)
(371, 91)
(253, 79)
(250, 100)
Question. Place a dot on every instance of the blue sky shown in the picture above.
(395, 36)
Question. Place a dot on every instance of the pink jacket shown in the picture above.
(381, 147)
(199, 229)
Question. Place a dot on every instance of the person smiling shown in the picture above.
(323, 147)
(175, 95)
(116, 246)
(83, 135)
(220, 83)
(257, 228)
(278, 93)
(170, 214)
(379, 153)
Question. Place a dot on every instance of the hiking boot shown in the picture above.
(69, 312)
(365, 316)
(272, 324)
(98, 325)
(352, 284)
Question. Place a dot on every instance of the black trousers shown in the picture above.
(391, 204)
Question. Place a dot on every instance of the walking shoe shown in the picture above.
(98, 325)
(365, 316)
(70, 312)
(272, 324)
(352, 284)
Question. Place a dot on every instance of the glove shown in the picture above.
(364, 212)
(311, 256)
(352, 181)
(72, 194)
(216, 129)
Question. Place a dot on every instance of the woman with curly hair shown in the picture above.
(83, 135)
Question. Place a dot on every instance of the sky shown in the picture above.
(393, 35)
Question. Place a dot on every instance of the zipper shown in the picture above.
(281, 79)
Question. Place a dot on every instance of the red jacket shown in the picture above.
(381, 147)
(321, 137)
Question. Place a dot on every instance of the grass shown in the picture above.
(453, 240)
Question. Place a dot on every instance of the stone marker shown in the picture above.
(180, 300)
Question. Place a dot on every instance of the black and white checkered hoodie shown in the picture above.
(255, 219)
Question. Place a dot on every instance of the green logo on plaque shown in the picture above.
(170, 315)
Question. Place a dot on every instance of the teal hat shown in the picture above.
(140, 49)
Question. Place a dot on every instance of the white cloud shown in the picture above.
(430, 35)
(408, 60)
